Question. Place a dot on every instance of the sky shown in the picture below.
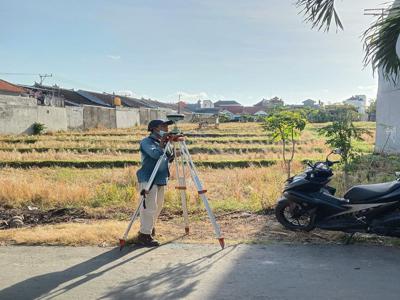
(243, 50)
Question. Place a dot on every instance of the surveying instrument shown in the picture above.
(175, 142)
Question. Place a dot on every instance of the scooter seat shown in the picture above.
(369, 192)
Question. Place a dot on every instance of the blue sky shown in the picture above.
(217, 49)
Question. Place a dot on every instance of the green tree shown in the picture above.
(285, 127)
(341, 134)
(379, 40)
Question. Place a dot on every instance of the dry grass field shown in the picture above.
(95, 172)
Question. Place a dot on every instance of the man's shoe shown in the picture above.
(147, 240)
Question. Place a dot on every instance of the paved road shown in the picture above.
(201, 272)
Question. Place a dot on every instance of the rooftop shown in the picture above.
(11, 88)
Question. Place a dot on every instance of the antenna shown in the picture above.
(43, 77)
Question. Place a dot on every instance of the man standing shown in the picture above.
(151, 149)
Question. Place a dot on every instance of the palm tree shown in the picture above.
(379, 40)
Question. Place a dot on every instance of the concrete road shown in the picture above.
(186, 271)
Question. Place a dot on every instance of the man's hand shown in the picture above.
(163, 141)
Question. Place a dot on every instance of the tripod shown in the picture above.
(175, 143)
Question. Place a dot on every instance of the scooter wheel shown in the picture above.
(293, 216)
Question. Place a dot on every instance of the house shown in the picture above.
(358, 101)
(260, 113)
(7, 88)
(309, 103)
(207, 104)
(252, 110)
(270, 104)
(213, 111)
(226, 103)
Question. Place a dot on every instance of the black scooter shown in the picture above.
(309, 202)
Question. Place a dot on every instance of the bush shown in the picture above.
(38, 128)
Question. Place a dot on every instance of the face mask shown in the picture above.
(161, 133)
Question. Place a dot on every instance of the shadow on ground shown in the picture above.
(177, 281)
(46, 285)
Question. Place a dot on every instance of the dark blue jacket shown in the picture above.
(150, 153)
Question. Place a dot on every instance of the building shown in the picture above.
(207, 104)
(388, 111)
(270, 104)
(310, 103)
(359, 102)
(7, 88)
(226, 103)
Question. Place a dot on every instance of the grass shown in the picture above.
(228, 189)
(96, 171)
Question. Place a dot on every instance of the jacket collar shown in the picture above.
(155, 137)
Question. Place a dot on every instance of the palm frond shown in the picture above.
(320, 13)
(380, 44)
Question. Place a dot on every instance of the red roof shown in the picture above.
(11, 88)
(251, 110)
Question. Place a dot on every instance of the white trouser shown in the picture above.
(154, 203)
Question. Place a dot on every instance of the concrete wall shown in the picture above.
(388, 112)
(148, 114)
(98, 117)
(54, 118)
(387, 117)
(74, 117)
(17, 100)
(127, 117)
(16, 119)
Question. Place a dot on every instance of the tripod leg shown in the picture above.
(134, 216)
(202, 193)
(182, 188)
(122, 241)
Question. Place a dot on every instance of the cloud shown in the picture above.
(114, 57)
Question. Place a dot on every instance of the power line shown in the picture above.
(22, 74)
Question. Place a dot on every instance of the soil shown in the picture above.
(32, 216)
(238, 226)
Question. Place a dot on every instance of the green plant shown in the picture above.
(285, 127)
(341, 134)
(38, 128)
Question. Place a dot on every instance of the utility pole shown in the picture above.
(43, 77)
(179, 103)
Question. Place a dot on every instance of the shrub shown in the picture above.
(38, 128)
